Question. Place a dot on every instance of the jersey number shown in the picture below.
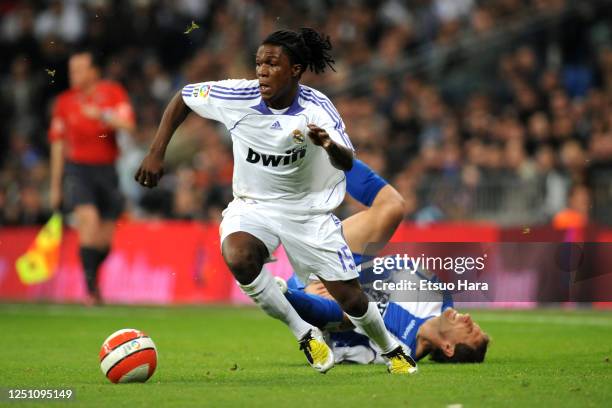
(346, 259)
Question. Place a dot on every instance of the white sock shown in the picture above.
(268, 296)
(372, 324)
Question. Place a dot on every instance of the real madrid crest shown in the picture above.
(298, 136)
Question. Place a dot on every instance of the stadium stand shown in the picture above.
(474, 110)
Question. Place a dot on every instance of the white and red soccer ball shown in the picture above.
(128, 355)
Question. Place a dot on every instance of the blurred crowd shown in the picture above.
(511, 150)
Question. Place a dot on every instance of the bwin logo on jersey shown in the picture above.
(276, 160)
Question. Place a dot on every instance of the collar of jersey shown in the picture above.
(294, 109)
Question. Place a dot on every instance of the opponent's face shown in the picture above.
(82, 71)
(275, 73)
(458, 328)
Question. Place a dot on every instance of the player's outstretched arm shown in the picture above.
(340, 156)
(377, 223)
(152, 167)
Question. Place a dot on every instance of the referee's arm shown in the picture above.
(57, 170)
(56, 136)
(119, 118)
(119, 122)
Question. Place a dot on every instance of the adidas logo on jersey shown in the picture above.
(276, 126)
(275, 160)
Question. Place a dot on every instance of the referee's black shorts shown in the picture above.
(96, 184)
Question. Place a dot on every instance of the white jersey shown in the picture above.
(275, 162)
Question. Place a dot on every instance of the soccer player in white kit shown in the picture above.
(290, 150)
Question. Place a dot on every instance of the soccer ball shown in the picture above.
(128, 355)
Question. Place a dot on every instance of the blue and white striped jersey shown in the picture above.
(275, 162)
(405, 311)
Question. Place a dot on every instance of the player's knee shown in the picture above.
(240, 258)
(245, 262)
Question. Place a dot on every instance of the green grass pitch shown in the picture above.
(220, 356)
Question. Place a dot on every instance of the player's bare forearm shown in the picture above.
(339, 156)
(173, 116)
(151, 169)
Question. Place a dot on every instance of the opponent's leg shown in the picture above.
(245, 255)
(365, 316)
(316, 310)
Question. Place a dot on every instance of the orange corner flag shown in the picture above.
(40, 261)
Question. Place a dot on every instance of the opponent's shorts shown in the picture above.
(314, 243)
(93, 184)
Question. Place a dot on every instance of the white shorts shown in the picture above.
(314, 243)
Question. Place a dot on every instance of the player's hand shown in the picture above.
(319, 136)
(150, 171)
(317, 288)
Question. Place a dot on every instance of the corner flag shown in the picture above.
(40, 261)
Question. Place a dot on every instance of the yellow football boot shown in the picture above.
(318, 353)
(398, 362)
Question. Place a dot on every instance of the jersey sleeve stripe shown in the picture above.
(219, 90)
(222, 90)
(248, 88)
(187, 90)
(234, 97)
(324, 100)
(331, 110)
(339, 125)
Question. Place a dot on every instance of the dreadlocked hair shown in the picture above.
(306, 47)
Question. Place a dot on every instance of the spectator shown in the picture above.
(576, 215)
(468, 125)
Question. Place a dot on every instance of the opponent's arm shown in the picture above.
(377, 223)
(151, 168)
(340, 156)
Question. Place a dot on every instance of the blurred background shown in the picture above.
(496, 111)
(475, 110)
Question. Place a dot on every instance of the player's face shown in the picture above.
(274, 72)
(82, 71)
(460, 328)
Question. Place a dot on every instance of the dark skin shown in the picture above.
(243, 253)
